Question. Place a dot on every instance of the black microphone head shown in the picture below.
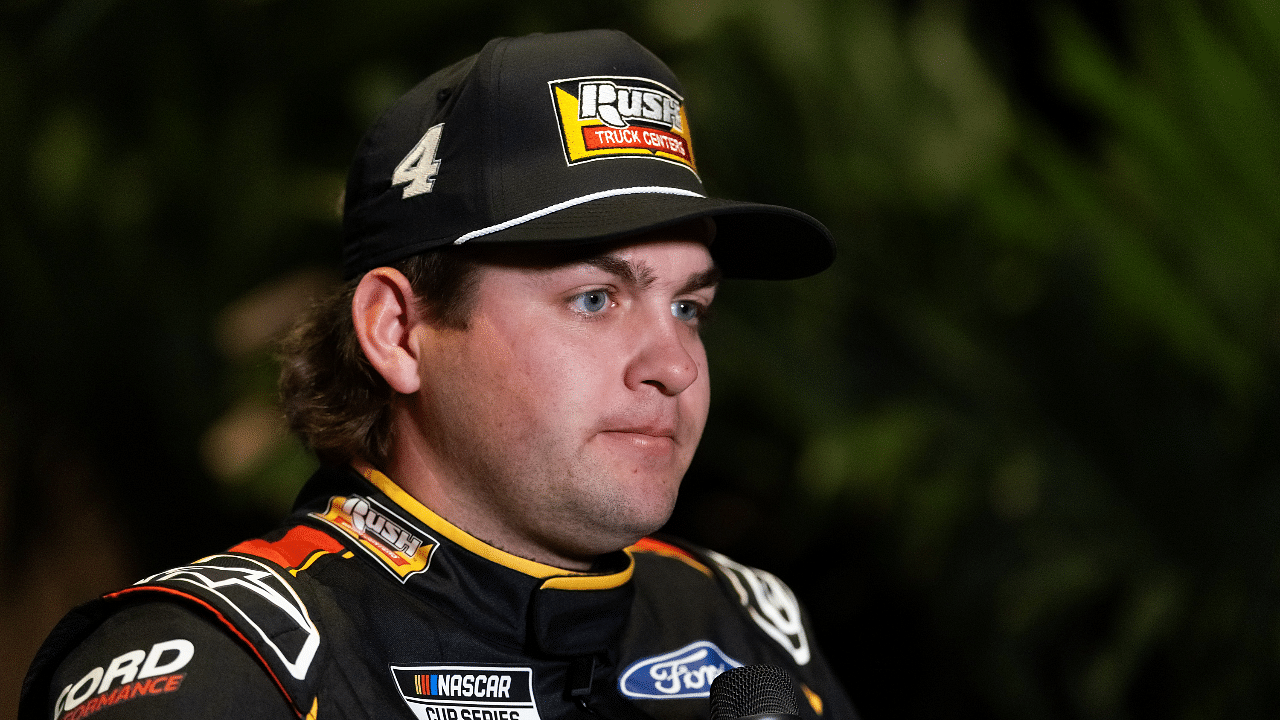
(753, 691)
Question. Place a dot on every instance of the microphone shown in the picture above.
(754, 692)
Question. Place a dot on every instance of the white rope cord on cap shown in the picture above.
(646, 190)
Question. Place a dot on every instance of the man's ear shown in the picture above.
(386, 313)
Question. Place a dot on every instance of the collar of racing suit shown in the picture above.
(503, 597)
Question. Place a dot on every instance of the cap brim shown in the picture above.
(752, 240)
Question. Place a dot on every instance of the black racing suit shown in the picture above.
(365, 604)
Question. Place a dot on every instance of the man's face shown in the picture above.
(559, 423)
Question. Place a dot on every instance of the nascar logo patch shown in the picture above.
(612, 117)
(456, 692)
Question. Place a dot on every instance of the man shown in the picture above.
(505, 396)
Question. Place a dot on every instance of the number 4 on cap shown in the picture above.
(420, 166)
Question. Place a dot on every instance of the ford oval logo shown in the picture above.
(685, 673)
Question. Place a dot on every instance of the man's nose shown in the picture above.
(665, 358)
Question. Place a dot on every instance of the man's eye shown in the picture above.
(591, 301)
(686, 310)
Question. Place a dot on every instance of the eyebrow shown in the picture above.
(705, 279)
(642, 276)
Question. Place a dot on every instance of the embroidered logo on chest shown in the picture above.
(460, 692)
(685, 673)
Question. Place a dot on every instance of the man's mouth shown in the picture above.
(655, 430)
(645, 438)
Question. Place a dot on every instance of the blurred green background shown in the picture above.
(1017, 450)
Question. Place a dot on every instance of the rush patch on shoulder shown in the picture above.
(137, 673)
(381, 533)
(770, 603)
(610, 117)
(684, 673)
(460, 692)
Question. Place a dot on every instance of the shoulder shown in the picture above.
(687, 576)
(158, 659)
(244, 612)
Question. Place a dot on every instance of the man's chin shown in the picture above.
(610, 537)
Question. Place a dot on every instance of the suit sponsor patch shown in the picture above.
(137, 673)
(386, 536)
(266, 602)
(770, 603)
(613, 117)
(463, 692)
(684, 673)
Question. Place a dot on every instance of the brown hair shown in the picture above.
(331, 396)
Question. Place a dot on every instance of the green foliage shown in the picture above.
(1043, 402)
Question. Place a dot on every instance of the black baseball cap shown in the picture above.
(553, 138)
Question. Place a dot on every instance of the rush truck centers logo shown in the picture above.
(613, 117)
(381, 533)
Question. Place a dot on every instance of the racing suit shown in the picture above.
(367, 604)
